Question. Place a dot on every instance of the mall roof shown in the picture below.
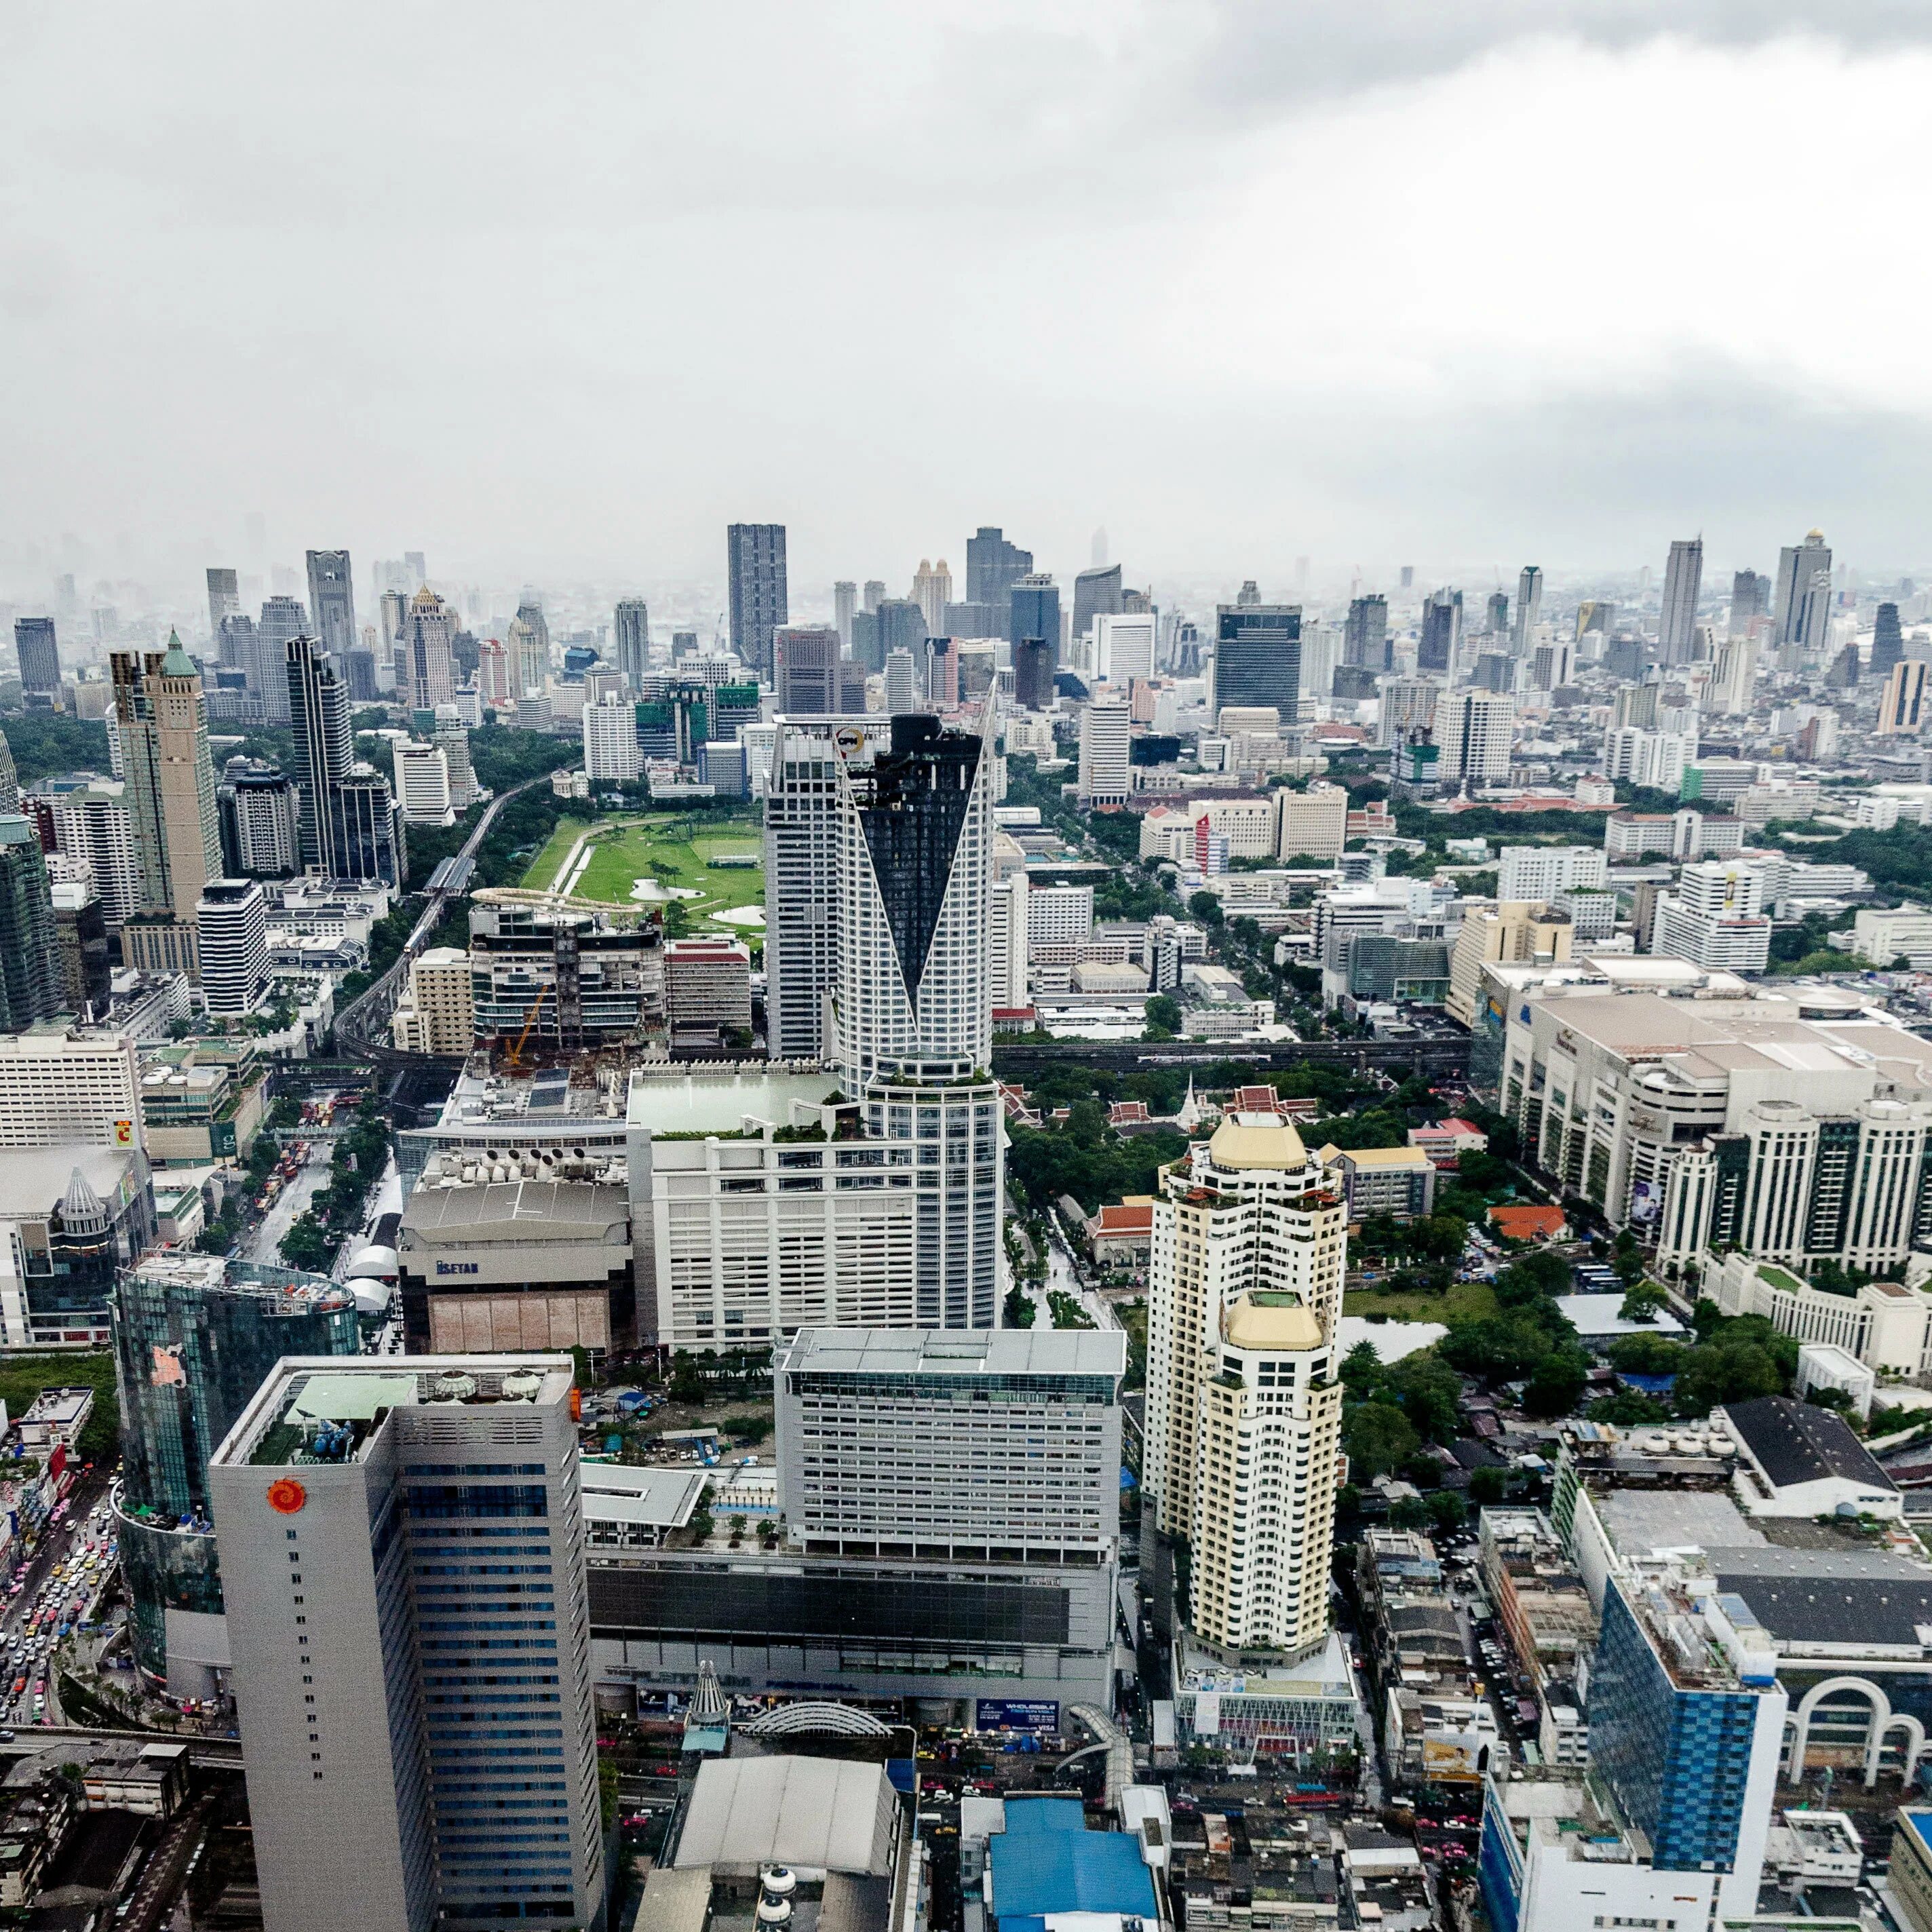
(1794, 1442)
(951, 1351)
(820, 1813)
(1047, 1862)
(1830, 1596)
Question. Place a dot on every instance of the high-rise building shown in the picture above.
(80, 931)
(1365, 635)
(331, 602)
(1677, 625)
(1541, 871)
(942, 674)
(10, 778)
(527, 638)
(1733, 677)
(1528, 607)
(373, 845)
(1033, 610)
(811, 676)
(901, 683)
(61, 1086)
(399, 1544)
(1498, 625)
(39, 653)
(1258, 658)
(224, 599)
(422, 782)
(759, 603)
(611, 754)
(1901, 706)
(1474, 730)
(1749, 596)
(1436, 649)
(33, 985)
(256, 804)
(1888, 643)
(494, 673)
(844, 608)
(1802, 611)
(1034, 659)
(451, 736)
(1105, 772)
(282, 617)
(1124, 647)
(1097, 592)
(1713, 916)
(874, 594)
(428, 647)
(632, 622)
(231, 929)
(162, 722)
(994, 566)
(932, 591)
(324, 755)
(1241, 1341)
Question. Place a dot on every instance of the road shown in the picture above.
(1063, 1273)
(35, 1594)
(263, 1242)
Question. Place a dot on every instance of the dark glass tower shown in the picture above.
(324, 754)
(35, 644)
(1888, 641)
(759, 603)
(994, 566)
(1258, 658)
(32, 980)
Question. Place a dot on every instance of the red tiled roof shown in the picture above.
(1526, 1222)
(1122, 1220)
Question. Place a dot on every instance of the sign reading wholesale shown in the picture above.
(1016, 1714)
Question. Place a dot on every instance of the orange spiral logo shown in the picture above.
(286, 1496)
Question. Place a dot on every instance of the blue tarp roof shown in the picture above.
(1046, 1860)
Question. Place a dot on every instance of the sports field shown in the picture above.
(674, 850)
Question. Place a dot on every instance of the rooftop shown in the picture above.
(1794, 1442)
(716, 1101)
(512, 1209)
(33, 1180)
(815, 1813)
(995, 1351)
(1262, 1320)
(662, 1498)
(1256, 1140)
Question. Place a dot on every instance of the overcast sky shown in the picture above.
(550, 289)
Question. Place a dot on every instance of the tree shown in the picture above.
(1379, 1438)
(1488, 1486)
(1447, 1511)
(1207, 908)
(1646, 1355)
(1361, 1370)
(1408, 1513)
(1830, 1398)
(687, 1379)
(1724, 1372)
(1644, 1303)
(306, 1246)
(1505, 1349)
(1163, 1012)
(1431, 1395)
(1557, 1382)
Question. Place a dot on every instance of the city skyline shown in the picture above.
(1578, 430)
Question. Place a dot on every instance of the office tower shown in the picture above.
(10, 778)
(1750, 596)
(1677, 625)
(1551, 665)
(282, 618)
(1436, 650)
(451, 736)
(428, 643)
(1105, 774)
(324, 753)
(32, 983)
(1007, 951)
(853, 1403)
(611, 755)
(39, 654)
(373, 845)
(942, 674)
(1408, 705)
(756, 555)
(874, 594)
(1541, 871)
(844, 607)
(1033, 610)
(901, 683)
(911, 1026)
(224, 599)
(1713, 916)
(392, 609)
(1097, 592)
(257, 802)
(1258, 658)
(194, 1337)
(528, 640)
(1528, 606)
(80, 934)
(331, 602)
(1245, 1276)
(810, 674)
(1802, 611)
(464, 650)
(932, 591)
(898, 624)
(994, 566)
(1901, 706)
(397, 1541)
(58, 1086)
(1635, 704)
(1888, 643)
(1499, 618)
(231, 928)
(415, 569)
(163, 720)
(1365, 635)
(1733, 677)
(1312, 824)
(1124, 647)
(1033, 661)
(631, 623)
(1474, 730)
(422, 782)
(493, 673)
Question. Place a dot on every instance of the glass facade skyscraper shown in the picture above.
(1258, 658)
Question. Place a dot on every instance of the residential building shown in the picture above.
(813, 677)
(1258, 658)
(331, 603)
(1901, 706)
(1677, 627)
(611, 752)
(931, 591)
(1714, 918)
(901, 678)
(1732, 686)
(631, 623)
(38, 651)
(1881, 935)
(1515, 932)
(755, 555)
(33, 983)
(1473, 730)
(1529, 608)
(1239, 1341)
(1311, 824)
(561, 976)
(1058, 915)
(435, 1013)
(1541, 871)
(1656, 759)
(708, 983)
(1105, 773)
(844, 607)
(1399, 1182)
(1802, 611)
(347, 1473)
(422, 783)
(162, 723)
(224, 600)
(451, 735)
(232, 930)
(256, 809)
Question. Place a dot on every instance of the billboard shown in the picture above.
(1038, 1715)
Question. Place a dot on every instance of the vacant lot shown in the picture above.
(675, 850)
(1463, 1301)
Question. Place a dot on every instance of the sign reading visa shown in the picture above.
(1040, 1716)
(123, 1133)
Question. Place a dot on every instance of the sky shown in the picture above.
(565, 289)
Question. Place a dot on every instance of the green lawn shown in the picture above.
(675, 851)
(1465, 1300)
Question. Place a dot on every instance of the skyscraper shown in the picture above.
(331, 602)
(32, 979)
(10, 779)
(932, 591)
(1749, 594)
(1528, 606)
(1802, 610)
(1105, 772)
(1677, 624)
(1365, 634)
(35, 646)
(1498, 607)
(1473, 730)
(1034, 659)
(994, 566)
(1437, 649)
(631, 623)
(760, 602)
(875, 595)
(402, 1560)
(224, 600)
(325, 752)
(1258, 658)
(812, 677)
(1887, 644)
(163, 720)
(1096, 591)
(231, 928)
(1733, 677)
(1034, 611)
(1901, 707)
(844, 607)
(528, 640)
(428, 646)
(901, 676)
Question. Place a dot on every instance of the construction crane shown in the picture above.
(514, 1063)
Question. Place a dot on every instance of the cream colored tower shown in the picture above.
(1249, 1221)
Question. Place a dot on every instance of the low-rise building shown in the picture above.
(1122, 1233)
(1539, 1598)
(1397, 1182)
(708, 983)
(1801, 1460)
